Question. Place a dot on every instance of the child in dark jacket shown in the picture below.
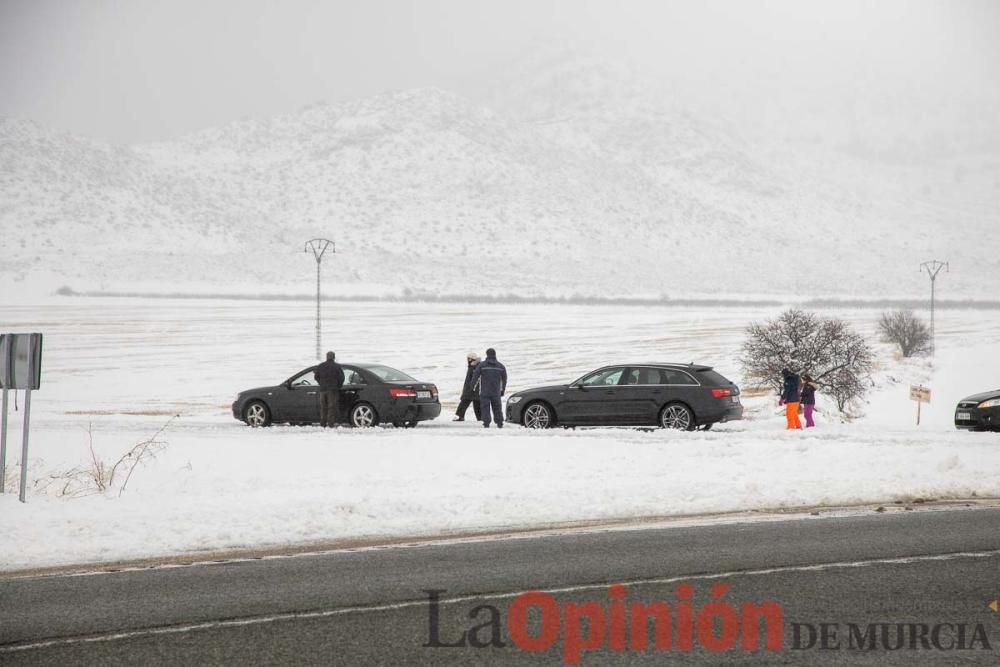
(808, 399)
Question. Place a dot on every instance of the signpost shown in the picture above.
(20, 368)
(3, 420)
(920, 394)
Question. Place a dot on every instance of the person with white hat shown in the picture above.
(470, 390)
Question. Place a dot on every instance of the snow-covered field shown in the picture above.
(121, 368)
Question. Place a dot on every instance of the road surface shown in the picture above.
(928, 575)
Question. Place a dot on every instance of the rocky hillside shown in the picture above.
(576, 179)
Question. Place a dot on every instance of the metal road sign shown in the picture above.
(20, 368)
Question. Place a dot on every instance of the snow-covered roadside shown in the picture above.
(218, 485)
(226, 488)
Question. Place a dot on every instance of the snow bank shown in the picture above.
(230, 487)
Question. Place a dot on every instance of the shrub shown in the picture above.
(836, 357)
(98, 476)
(905, 330)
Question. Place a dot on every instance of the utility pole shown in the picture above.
(318, 247)
(932, 268)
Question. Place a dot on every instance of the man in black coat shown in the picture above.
(330, 378)
(492, 378)
(470, 390)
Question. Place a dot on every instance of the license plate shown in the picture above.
(423, 394)
(963, 416)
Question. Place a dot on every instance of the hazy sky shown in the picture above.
(138, 70)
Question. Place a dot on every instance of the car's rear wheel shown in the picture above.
(539, 415)
(363, 415)
(256, 414)
(677, 416)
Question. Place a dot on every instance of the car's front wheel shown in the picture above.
(538, 415)
(256, 414)
(677, 416)
(363, 415)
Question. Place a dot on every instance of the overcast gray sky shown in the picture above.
(139, 70)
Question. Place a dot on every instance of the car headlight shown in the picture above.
(992, 403)
(514, 399)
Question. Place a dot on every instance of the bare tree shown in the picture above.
(836, 357)
(904, 329)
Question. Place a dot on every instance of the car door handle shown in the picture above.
(311, 393)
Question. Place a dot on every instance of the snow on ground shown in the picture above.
(122, 367)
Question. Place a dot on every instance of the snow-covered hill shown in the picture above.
(576, 178)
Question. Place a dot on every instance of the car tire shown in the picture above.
(677, 416)
(363, 415)
(256, 414)
(538, 415)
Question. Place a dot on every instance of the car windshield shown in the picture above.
(608, 376)
(387, 374)
(304, 378)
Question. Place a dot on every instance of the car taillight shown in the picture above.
(434, 392)
(403, 393)
(719, 392)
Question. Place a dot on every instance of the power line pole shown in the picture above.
(932, 268)
(318, 247)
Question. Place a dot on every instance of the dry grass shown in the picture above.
(98, 476)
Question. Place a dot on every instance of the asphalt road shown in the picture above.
(923, 578)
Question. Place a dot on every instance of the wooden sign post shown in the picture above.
(920, 394)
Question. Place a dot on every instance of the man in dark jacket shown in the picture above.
(330, 378)
(790, 388)
(492, 378)
(470, 390)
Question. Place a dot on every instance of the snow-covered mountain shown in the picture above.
(575, 177)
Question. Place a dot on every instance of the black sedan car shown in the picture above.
(372, 394)
(979, 412)
(678, 396)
